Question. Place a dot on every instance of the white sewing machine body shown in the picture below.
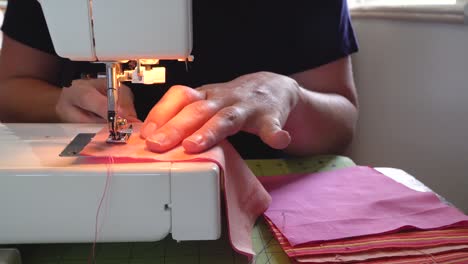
(45, 198)
(114, 30)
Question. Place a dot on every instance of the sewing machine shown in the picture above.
(48, 194)
(130, 37)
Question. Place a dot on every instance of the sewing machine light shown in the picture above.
(150, 75)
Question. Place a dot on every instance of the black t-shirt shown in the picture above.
(230, 38)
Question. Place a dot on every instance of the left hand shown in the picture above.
(85, 101)
(258, 103)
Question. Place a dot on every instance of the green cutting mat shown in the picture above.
(169, 251)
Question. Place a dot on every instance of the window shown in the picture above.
(354, 3)
(445, 11)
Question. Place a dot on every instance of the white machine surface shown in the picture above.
(114, 30)
(45, 198)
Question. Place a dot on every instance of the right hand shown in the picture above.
(85, 101)
(257, 103)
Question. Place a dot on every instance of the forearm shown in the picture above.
(28, 100)
(321, 123)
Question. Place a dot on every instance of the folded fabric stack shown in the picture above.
(430, 246)
(358, 215)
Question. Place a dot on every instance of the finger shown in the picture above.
(169, 106)
(75, 114)
(99, 84)
(271, 132)
(187, 121)
(125, 95)
(226, 122)
(132, 119)
(126, 107)
(92, 101)
(128, 112)
(88, 117)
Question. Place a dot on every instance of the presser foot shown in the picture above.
(121, 136)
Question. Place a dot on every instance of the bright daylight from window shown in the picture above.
(400, 2)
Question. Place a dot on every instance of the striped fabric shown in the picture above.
(444, 258)
(381, 254)
(416, 240)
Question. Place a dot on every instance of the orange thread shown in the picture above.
(92, 258)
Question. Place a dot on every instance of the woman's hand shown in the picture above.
(85, 101)
(257, 103)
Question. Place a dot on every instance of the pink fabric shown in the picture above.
(246, 198)
(351, 202)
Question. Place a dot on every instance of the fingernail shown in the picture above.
(159, 139)
(148, 130)
(197, 139)
(194, 141)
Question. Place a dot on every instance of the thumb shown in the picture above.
(273, 135)
(99, 84)
(128, 112)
